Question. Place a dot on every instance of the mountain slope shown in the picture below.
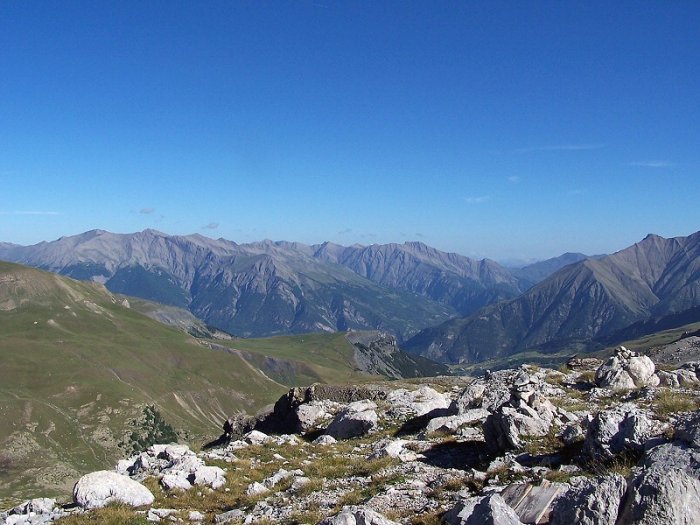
(270, 288)
(588, 299)
(449, 278)
(79, 367)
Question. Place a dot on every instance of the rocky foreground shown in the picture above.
(597, 443)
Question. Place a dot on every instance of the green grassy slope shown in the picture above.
(77, 368)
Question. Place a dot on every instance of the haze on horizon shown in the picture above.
(491, 130)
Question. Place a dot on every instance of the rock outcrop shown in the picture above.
(513, 447)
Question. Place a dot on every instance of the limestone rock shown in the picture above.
(688, 429)
(255, 437)
(662, 496)
(626, 370)
(357, 516)
(487, 510)
(309, 415)
(177, 481)
(416, 403)
(451, 424)
(622, 427)
(213, 477)
(256, 488)
(357, 419)
(590, 501)
(324, 440)
(100, 488)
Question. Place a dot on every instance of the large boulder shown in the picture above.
(518, 418)
(590, 501)
(624, 427)
(209, 476)
(357, 419)
(103, 487)
(626, 370)
(487, 510)
(357, 516)
(662, 496)
(667, 489)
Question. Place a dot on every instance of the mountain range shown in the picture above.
(439, 305)
(268, 288)
(589, 299)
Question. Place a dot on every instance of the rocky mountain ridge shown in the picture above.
(598, 444)
(589, 299)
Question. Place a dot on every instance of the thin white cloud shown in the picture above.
(652, 164)
(561, 147)
(31, 212)
(211, 226)
(514, 179)
(147, 211)
(477, 199)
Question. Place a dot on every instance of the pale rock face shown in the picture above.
(417, 402)
(357, 516)
(255, 437)
(453, 423)
(688, 430)
(176, 481)
(213, 477)
(256, 488)
(357, 419)
(324, 440)
(394, 449)
(626, 370)
(662, 496)
(590, 501)
(622, 427)
(100, 488)
(309, 414)
(487, 510)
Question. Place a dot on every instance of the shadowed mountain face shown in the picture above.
(269, 288)
(584, 300)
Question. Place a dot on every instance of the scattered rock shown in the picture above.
(255, 437)
(357, 516)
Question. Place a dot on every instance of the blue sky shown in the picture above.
(499, 129)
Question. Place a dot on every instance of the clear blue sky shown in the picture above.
(499, 129)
